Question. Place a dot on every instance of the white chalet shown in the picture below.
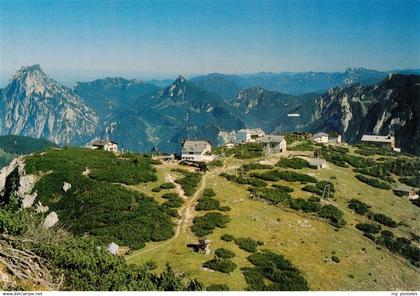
(320, 138)
(199, 151)
(381, 141)
(249, 135)
(273, 144)
(106, 145)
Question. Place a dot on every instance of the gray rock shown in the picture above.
(66, 186)
(50, 220)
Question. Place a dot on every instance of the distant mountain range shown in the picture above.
(227, 86)
(143, 115)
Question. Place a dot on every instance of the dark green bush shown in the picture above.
(207, 204)
(304, 205)
(385, 220)
(189, 182)
(373, 182)
(227, 237)
(335, 259)
(288, 176)
(282, 188)
(221, 265)
(359, 207)
(293, 163)
(247, 244)
(224, 253)
(272, 272)
(369, 227)
(156, 189)
(272, 195)
(333, 214)
(312, 189)
(401, 246)
(242, 180)
(256, 166)
(208, 192)
(205, 225)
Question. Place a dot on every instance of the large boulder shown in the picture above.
(50, 220)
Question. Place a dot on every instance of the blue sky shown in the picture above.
(156, 38)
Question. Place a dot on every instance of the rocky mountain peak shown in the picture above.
(35, 105)
(31, 80)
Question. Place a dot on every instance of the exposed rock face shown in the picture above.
(33, 104)
(50, 220)
(227, 137)
(26, 182)
(391, 107)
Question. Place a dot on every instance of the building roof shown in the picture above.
(102, 142)
(316, 162)
(113, 248)
(195, 146)
(317, 135)
(379, 139)
(252, 131)
(271, 139)
(404, 188)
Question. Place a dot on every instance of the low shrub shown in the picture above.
(369, 227)
(221, 265)
(205, 225)
(401, 246)
(208, 192)
(333, 214)
(224, 253)
(373, 182)
(335, 259)
(243, 180)
(282, 188)
(272, 272)
(288, 176)
(304, 205)
(385, 220)
(256, 166)
(312, 189)
(293, 163)
(248, 244)
(359, 207)
(156, 189)
(189, 182)
(207, 204)
(227, 237)
(272, 195)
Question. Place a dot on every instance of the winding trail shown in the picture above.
(186, 212)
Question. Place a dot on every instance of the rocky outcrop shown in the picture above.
(50, 220)
(25, 185)
(66, 186)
